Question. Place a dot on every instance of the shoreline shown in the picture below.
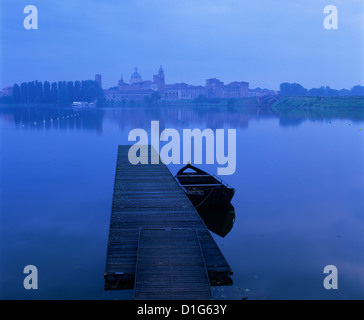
(249, 102)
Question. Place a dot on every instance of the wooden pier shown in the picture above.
(158, 244)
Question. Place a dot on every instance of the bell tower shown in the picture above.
(159, 79)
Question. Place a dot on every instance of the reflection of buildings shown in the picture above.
(93, 119)
(137, 89)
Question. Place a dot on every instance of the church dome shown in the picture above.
(136, 77)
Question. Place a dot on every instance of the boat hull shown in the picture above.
(219, 220)
(218, 197)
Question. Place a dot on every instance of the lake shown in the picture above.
(299, 201)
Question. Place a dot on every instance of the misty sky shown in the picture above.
(264, 42)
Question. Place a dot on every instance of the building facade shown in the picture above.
(216, 89)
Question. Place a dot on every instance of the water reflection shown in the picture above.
(53, 118)
(293, 117)
(219, 220)
(48, 118)
(301, 192)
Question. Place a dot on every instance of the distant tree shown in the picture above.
(46, 92)
(38, 92)
(231, 101)
(357, 90)
(31, 92)
(16, 93)
(292, 89)
(91, 91)
(316, 92)
(61, 92)
(77, 91)
(70, 90)
(298, 89)
(63, 95)
(344, 92)
(331, 92)
(201, 99)
(154, 97)
(54, 93)
(285, 89)
(24, 92)
(100, 97)
(323, 92)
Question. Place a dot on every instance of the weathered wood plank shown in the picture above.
(147, 196)
(170, 266)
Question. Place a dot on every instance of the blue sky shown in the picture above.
(263, 42)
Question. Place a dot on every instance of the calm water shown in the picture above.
(299, 199)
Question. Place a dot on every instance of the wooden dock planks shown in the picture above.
(170, 266)
(148, 197)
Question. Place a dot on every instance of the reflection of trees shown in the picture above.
(53, 118)
(296, 116)
(290, 122)
(140, 118)
(58, 118)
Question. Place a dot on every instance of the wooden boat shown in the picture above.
(203, 189)
(219, 220)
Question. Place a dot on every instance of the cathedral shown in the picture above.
(138, 89)
(136, 78)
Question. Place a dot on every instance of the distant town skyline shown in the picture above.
(140, 89)
(263, 42)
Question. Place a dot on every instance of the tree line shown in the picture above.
(61, 92)
(295, 89)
